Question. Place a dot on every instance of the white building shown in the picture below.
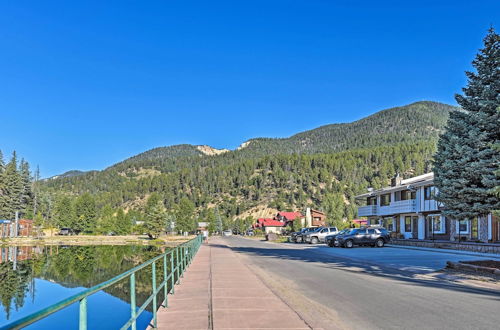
(407, 209)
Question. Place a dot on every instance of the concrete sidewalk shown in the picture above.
(220, 292)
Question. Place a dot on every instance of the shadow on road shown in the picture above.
(312, 255)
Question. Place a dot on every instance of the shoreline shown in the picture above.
(95, 240)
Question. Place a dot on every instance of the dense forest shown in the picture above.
(322, 168)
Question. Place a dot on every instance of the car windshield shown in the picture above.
(352, 231)
(344, 231)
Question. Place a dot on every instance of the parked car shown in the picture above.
(299, 238)
(330, 239)
(227, 233)
(364, 236)
(66, 232)
(319, 235)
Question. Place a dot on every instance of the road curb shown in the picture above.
(449, 251)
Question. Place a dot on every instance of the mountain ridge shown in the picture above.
(297, 143)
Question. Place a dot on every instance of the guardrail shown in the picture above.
(178, 258)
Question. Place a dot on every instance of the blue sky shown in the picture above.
(85, 84)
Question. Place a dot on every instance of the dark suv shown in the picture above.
(377, 236)
(331, 241)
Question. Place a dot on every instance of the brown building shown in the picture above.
(25, 227)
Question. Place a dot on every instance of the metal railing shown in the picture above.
(179, 258)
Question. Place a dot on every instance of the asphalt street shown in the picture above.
(373, 288)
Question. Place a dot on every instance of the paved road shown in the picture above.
(370, 294)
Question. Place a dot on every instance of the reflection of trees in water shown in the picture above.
(78, 266)
(14, 284)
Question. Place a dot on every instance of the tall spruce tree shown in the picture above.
(466, 159)
(3, 200)
(12, 188)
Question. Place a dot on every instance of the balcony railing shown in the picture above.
(366, 211)
(407, 206)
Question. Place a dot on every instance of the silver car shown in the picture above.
(319, 235)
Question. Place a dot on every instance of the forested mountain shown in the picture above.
(323, 168)
(411, 123)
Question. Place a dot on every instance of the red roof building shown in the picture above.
(288, 216)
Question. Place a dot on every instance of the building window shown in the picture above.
(405, 195)
(463, 227)
(371, 201)
(437, 223)
(408, 224)
(428, 192)
(385, 199)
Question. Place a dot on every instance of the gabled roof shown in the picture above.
(290, 216)
(273, 223)
(316, 211)
(266, 222)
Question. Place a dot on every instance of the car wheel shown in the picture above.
(331, 244)
(349, 244)
(314, 240)
(380, 243)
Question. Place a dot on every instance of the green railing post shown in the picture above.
(153, 269)
(178, 264)
(172, 271)
(183, 260)
(133, 305)
(83, 314)
(165, 301)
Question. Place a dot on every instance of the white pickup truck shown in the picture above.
(319, 235)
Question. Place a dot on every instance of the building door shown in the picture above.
(495, 228)
(414, 227)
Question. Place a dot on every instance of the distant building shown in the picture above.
(270, 225)
(8, 228)
(314, 218)
(25, 227)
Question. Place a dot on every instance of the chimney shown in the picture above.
(308, 217)
(396, 181)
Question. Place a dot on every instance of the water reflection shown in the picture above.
(30, 277)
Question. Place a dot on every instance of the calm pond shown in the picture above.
(34, 277)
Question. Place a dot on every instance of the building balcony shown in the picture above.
(407, 206)
(366, 211)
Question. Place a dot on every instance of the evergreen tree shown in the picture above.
(123, 223)
(64, 213)
(12, 189)
(333, 205)
(85, 214)
(466, 160)
(3, 197)
(184, 214)
(26, 189)
(156, 216)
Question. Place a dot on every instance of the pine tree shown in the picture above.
(64, 213)
(12, 189)
(85, 214)
(466, 160)
(26, 189)
(156, 216)
(3, 197)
